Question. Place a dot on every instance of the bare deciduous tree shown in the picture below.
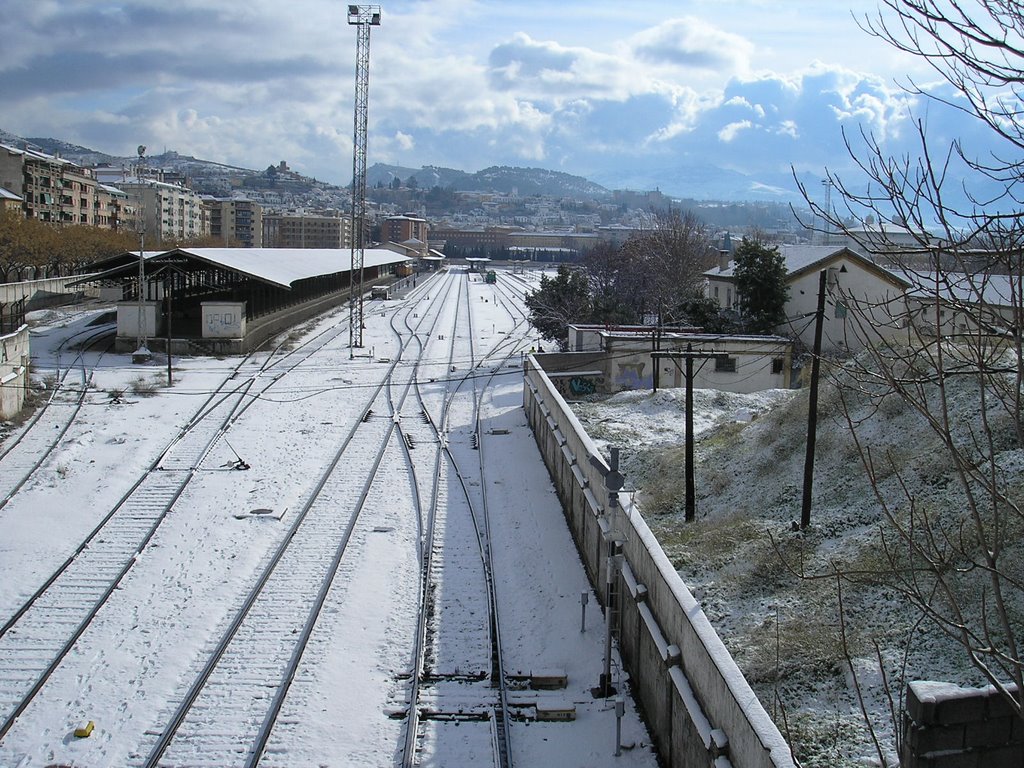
(950, 348)
(667, 265)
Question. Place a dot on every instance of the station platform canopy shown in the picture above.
(229, 300)
(280, 267)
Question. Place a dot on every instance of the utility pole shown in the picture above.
(141, 354)
(362, 17)
(812, 407)
(689, 356)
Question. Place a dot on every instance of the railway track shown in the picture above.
(37, 637)
(449, 693)
(248, 701)
(229, 714)
(23, 455)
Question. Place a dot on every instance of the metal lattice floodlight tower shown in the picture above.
(362, 17)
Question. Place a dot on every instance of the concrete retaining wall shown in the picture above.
(14, 357)
(701, 710)
(945, 726)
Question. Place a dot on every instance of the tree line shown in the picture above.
(656, 278)
(31, 249)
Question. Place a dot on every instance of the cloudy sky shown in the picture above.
(622, 92)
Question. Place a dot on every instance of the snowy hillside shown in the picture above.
(784, 631)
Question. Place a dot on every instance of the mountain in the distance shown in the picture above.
(501, 179)
(679, 180)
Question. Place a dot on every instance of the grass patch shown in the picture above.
(142, 386)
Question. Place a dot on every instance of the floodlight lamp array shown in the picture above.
(364, 14)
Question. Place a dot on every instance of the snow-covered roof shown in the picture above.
(800, 259)
(994, 290)
(278, 266)
(284, 266)
(37, 154)
(112, 190)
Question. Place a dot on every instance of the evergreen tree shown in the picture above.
(559, 301)
(760, 278)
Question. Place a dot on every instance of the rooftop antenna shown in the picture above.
(362, 17)
(141, 353)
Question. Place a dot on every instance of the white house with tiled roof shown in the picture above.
(853, 283)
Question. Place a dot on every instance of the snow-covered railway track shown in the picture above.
(36, 638)
(457, 690)
(229, 714)
(27, 452)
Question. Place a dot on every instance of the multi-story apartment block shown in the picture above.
(302, 230)
(235, 220)
(57, 191)
(169, 211)
(401, 229)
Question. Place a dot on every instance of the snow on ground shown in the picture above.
(130, 664)
(784, 631)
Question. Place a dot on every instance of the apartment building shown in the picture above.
(401, 229)
(168, 211)
(239, 221)
(303, 230)
(57, 191)
(9, 201)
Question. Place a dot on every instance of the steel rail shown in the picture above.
(170, 490)
(289, 541)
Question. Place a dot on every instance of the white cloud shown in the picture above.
(732, 130)
(587, 84)
(693, 44)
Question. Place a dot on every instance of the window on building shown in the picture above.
(725, 364)
(777, 365)
(840, 309)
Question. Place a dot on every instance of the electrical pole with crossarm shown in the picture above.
(689, 355)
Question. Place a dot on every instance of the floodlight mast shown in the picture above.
(362, 17)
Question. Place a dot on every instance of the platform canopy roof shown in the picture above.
(277, 266)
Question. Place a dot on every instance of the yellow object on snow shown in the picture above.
(84, 733)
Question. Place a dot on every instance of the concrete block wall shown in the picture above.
(946, 726)
(701, 710)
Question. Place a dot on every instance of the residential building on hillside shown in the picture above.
(235, 220)
(303, 230)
